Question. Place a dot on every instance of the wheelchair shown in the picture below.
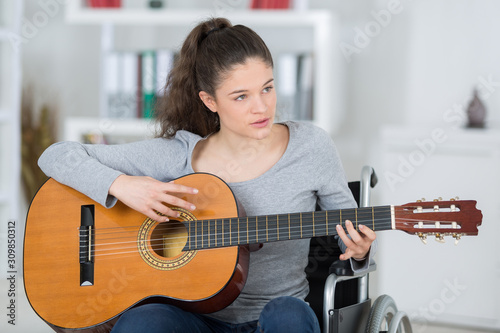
(338, 295)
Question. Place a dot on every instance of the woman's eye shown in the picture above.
(241, 97)
(268, 89)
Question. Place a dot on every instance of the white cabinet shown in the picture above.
(312, 32)
(442, 283)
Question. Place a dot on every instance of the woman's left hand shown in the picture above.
(359, 243)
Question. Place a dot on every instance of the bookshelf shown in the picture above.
(287, 32)
(10, 123)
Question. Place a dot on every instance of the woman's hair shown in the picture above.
(209, 52)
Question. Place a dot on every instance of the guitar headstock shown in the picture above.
(440, 218)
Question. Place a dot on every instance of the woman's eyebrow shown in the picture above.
(245, 90)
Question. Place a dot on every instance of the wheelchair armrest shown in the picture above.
(343, 268)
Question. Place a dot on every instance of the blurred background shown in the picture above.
(408, 87)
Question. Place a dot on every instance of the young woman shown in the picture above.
(218, 116)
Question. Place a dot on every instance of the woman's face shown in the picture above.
(245, 100)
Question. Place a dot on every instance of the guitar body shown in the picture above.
(126, 269)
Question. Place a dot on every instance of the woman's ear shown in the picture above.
(208, 100)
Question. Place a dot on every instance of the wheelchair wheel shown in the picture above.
(381, 314)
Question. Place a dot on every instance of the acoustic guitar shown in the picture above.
(84, 264)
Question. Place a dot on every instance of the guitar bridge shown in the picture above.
(87, 245)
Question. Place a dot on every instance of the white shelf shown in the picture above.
(76, 14)
(321, 24)
(138, 129)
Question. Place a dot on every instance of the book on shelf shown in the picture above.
(104, 3)
(294, 86)
(270, 4)
(148, 83)
(133, 80)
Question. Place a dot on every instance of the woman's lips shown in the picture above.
(261, 123)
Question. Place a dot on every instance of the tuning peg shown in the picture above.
(423, 238)
(457, 238)
(440, 238)
(438, 199)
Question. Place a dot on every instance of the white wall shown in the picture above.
(59, 60)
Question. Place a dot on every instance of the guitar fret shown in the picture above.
(326, 221)
(269, 228)
(373, 219)
(356, 213)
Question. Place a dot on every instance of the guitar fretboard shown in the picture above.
(205, 234)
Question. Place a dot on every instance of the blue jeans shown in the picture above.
(283, 314)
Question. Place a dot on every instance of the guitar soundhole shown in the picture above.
(168, 238)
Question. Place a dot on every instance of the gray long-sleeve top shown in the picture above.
(309, 173)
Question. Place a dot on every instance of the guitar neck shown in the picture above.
(205, 234)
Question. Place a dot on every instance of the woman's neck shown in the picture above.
(238, 159)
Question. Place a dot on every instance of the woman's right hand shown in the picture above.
(150, 196)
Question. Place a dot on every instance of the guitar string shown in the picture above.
(294, 232)
(133, 250)
(293, 220)
(307, 215)
(212, 236)
(321, 220)
(273, 231)
(98, 253)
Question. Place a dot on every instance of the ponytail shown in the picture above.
(210, 50)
